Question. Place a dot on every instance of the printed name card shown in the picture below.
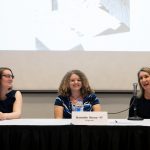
(89, 118)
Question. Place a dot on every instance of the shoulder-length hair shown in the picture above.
(144, 69)
(64, 88)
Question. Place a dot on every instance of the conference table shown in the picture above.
(61, 134)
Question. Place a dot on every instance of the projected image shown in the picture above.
(72, 23)
(60, 25)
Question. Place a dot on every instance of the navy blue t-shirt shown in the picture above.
(88, 102)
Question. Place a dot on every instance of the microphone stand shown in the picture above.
(135, 117)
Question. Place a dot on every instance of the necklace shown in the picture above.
(74, 100)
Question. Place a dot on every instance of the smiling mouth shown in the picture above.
(76, 86)
(145, 85)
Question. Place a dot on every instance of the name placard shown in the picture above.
(89, 118)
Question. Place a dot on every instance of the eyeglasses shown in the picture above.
(8, 76)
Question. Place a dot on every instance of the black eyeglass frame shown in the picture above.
(8, 76)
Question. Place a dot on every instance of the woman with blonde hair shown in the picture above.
(142, 102)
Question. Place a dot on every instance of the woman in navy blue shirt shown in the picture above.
(10, 100)
(75, 86)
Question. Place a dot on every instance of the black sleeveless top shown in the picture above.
(6, 106)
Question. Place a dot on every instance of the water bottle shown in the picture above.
(79, 105)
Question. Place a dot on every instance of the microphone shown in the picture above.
(135, 89)
(134, 103)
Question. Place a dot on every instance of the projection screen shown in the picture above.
(43, 39)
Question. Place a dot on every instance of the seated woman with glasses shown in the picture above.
(10, 100)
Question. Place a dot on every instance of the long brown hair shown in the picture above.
(1, 73)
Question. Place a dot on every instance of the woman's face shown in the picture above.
(75, 82)
(7, 79)
(144, 79)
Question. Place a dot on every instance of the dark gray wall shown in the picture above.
(40, 105)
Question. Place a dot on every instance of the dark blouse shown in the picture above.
(88, 102)
(6, 106)
(142, 106)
